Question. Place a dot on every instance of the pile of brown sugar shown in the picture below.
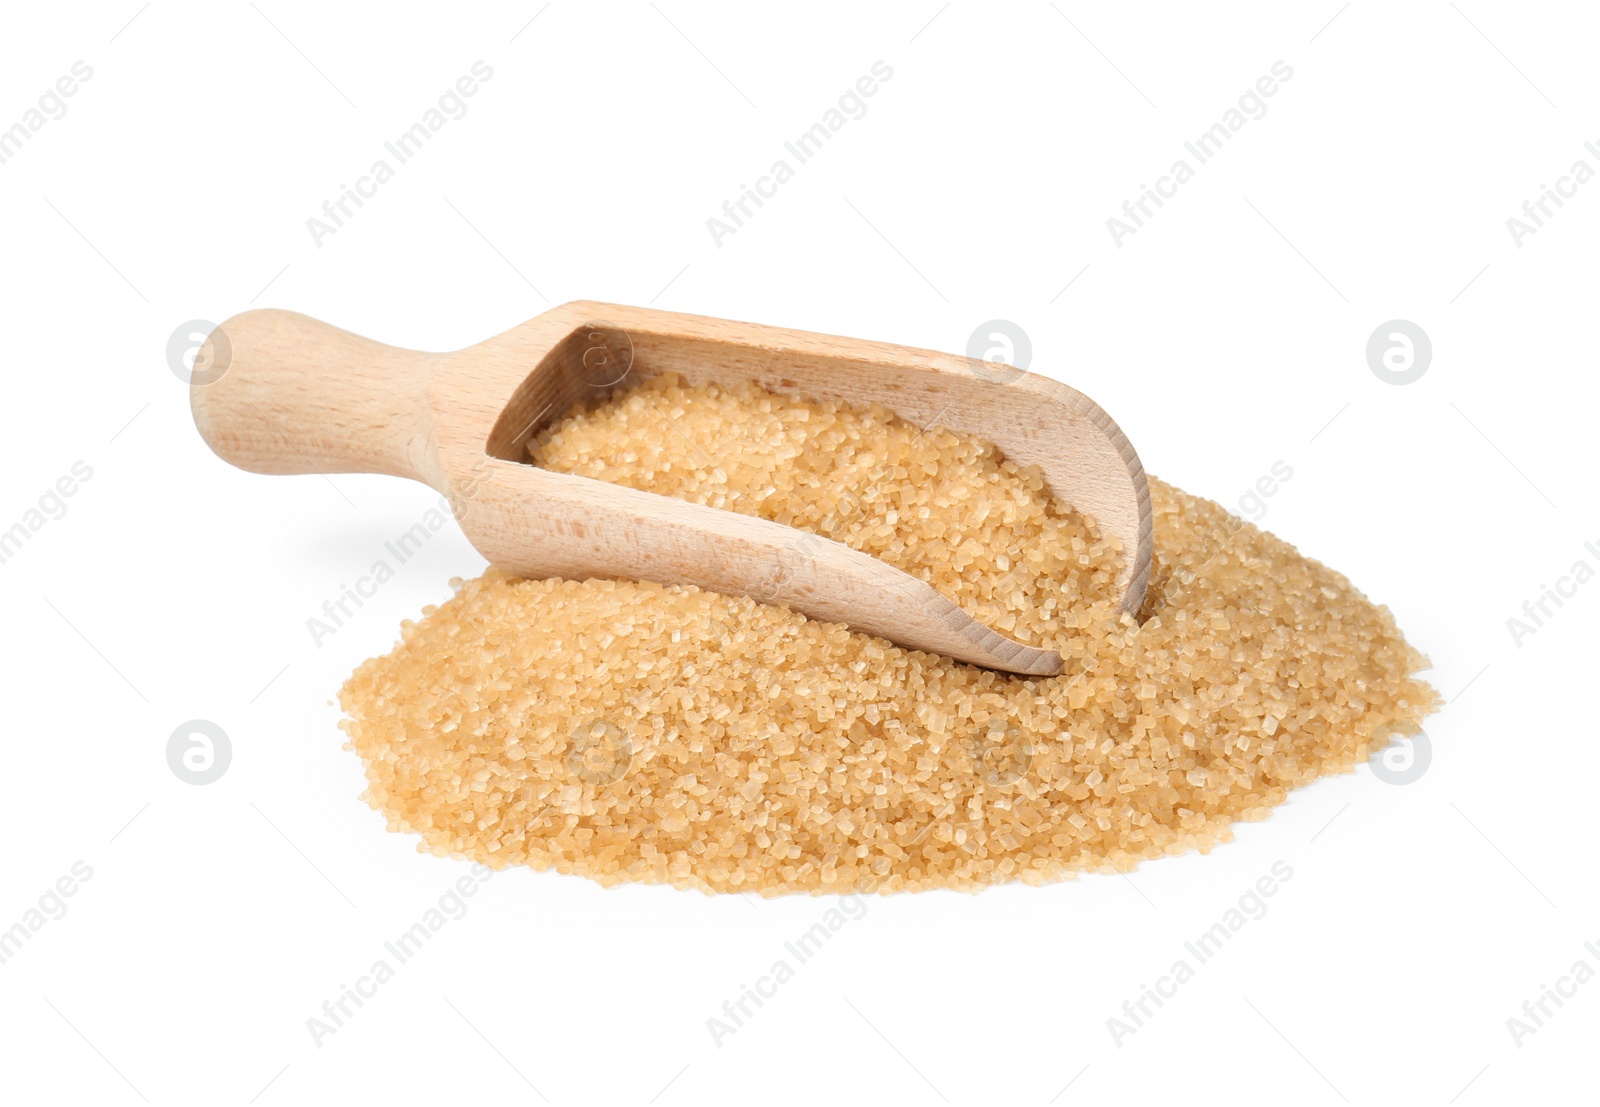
(634, 732)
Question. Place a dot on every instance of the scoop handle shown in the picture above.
(279, 392)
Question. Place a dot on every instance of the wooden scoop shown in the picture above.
(277, 392)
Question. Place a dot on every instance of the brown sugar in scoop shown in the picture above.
(285, 394)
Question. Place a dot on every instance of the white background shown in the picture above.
(1227, 334)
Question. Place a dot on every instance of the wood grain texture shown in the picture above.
(299, 396)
